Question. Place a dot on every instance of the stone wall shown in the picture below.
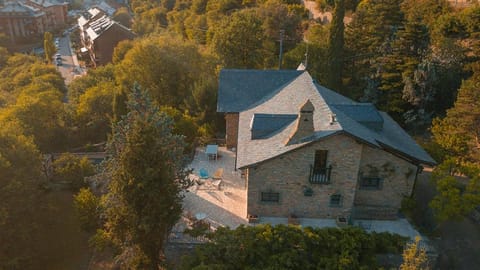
(397, 177)
(231, 129)
(289, 175)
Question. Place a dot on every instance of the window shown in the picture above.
(370, 183)
(336, 200)
(320, 161)
(270, 197)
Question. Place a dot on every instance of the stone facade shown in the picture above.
(289, 173)
(231, 128)
(289, 176)
(397, 179)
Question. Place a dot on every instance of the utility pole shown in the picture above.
(282, 33)
(306, 57)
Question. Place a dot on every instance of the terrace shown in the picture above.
(226, 204)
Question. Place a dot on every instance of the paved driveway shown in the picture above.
(68, 69)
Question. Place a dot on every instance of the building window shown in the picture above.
(372, 183)
(270, 197)
(336, 200)
(319, 171)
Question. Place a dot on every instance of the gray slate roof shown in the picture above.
(264, 125)
(234, 96)
(286, 99)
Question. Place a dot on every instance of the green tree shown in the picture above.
(73, 170)
(168, 82)
(88, 209)
(459, 132)
(146, 166)
(238, 40)
(414, 257)
(48, 46)
(94, 112)
(335, 48)
(20, 177)
(454, 200)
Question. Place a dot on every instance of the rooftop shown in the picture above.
(258, 93)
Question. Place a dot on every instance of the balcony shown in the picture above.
(320, 176)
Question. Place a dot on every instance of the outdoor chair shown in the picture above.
(218, 175)
(203, 173)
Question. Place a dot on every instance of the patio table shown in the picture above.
(212, 151)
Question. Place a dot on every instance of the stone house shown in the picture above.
(310, 152)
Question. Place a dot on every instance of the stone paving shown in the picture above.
(224, 206)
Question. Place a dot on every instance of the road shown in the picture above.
(69, 67)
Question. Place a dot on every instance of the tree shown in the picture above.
(414, 257)
(48, 46)
(87, 207)
(20, 177)
(72, 169)
(454, 200)
(168, 82)
(238, 40)
(146, 166)
(94, 112)
(335, 48)
(459, 132)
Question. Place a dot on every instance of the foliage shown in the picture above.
(49, 46)
(87, 207)
(459, 132)
(146, 168)
(20, 178)
(238, 40)
(335, 47)
(454, 200)
(94, 112)
(290, 247)
(414, 257)
(168, 82)
(73, 170)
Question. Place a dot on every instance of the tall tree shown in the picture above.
(335, 47)
(48, 46)
(459, 131)
(238, 40)
(143, 201)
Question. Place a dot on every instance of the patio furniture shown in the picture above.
(203, 173)
(218, 174)
(212, 151)
(200, 216)
(217, 184)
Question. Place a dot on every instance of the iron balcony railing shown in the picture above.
(320, 176)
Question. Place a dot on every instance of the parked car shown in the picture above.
(58, 56)
(59, 62)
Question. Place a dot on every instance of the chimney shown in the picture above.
(304, 124)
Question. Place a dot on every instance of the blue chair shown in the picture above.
(203, 173)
